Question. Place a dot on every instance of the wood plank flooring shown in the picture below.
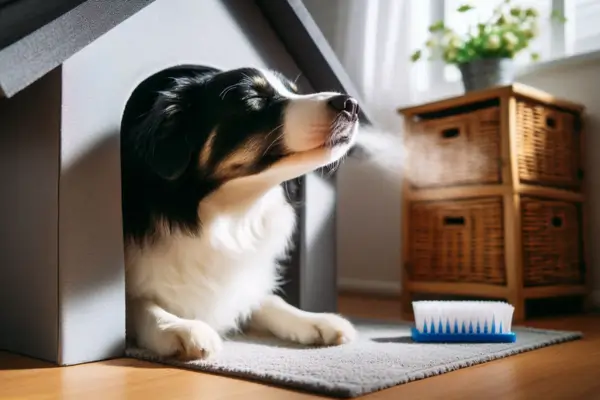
(569, 371)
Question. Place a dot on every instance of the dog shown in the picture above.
(205, 154)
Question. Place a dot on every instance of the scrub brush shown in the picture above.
(463, 322)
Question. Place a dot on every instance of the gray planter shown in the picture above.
(487, 72)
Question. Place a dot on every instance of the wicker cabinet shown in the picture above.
(493, 203)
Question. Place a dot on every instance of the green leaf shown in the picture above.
(531, 12)
(437, 27)
(535, 56)
(465, 8)
(416, 56)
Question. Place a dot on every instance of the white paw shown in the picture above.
(322, 329)
(193, 340)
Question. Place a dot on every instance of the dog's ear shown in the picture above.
(158, 125)
(162, 137)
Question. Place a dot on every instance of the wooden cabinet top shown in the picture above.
(516, 89)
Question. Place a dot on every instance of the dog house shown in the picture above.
(66, 70)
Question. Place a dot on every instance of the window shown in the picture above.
(580, 34)
(586, 25)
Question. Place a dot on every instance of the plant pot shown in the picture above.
(487, 72)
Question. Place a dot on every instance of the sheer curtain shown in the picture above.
(373, 40)
(374, 44)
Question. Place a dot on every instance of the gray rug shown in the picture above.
(384, 356)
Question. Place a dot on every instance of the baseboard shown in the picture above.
(381, 288)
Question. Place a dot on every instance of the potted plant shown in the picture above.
(485, 54)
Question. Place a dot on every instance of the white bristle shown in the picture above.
(496, 315)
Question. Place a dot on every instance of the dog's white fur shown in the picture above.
(185, 293)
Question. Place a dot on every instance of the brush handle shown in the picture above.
(462, 337)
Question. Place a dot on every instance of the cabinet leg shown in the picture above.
(406, 305)
(588, 303)
(519, 313)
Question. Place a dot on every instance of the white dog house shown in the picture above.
(66, 70)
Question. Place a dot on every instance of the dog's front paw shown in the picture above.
(195, 340)
(323, 329)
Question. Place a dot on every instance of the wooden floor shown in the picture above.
(567, 371)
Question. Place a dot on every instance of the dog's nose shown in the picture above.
(343, 102)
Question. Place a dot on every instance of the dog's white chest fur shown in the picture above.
(224, 273)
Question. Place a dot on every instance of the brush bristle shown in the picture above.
(491, 317)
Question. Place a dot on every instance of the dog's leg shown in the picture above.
(289, 323)
(168, 335)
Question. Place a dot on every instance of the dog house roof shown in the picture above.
(40, 37)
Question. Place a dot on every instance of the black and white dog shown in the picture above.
(204, 156)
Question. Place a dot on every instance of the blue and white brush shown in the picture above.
(463, 322)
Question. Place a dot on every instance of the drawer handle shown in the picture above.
(450, 133)
(454, 221)
(551, 122)
(557, 222)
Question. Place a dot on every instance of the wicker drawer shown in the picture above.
(549, 148)
(456, 150)
(457, 241)
(552, 248)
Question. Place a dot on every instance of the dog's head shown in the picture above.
(225, 125)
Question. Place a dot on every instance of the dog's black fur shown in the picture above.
(167, 121)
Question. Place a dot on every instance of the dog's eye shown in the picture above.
(258, 96)
(257, 100)
(262, 92)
